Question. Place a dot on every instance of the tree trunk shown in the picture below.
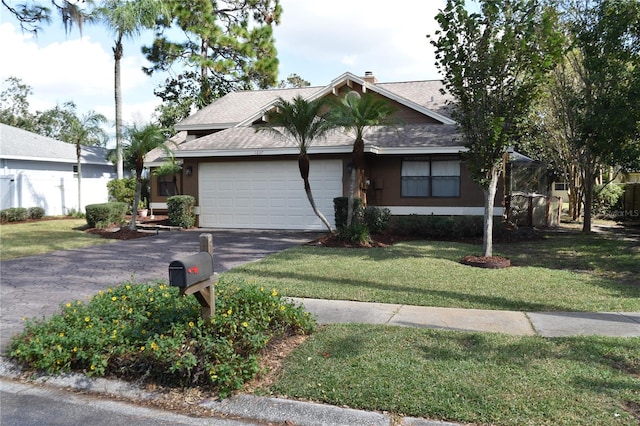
(357, 162)
(136, 201)
(303, 166)
(588, 198)
(489, 201)
(79, 166)
(117, 55)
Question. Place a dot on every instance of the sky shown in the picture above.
(318, 40)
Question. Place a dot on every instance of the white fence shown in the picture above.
(58, 195)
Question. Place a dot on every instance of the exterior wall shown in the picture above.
(53, 186)
(384, 189)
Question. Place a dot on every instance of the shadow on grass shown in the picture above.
(445, 298)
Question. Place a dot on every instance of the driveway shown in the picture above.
(36, 286)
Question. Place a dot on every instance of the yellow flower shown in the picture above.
(151, 299)
(144, 331)
(128, 287)
(245, 324)
(114, 298)
(75, 349)
(87, 319)
(282, 307)
(261, 288)
(154, 346)
(142, 348)
(68, 305)
(61, 334)
(93, 367)
(229, 312)
(124, 297)
(274, 292)
(191, 324)
(150, 290)
(100, 292)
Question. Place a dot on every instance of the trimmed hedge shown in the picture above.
(445, 227)
(340, 205)
(376, 219)
(20, 214)
(103, 215)
(180, 210)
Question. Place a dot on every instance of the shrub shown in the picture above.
(357, 233)
(122, 190)
(15, 214)
(180, 210)
(606, 197)
(145, 332)
(340, 211)
(376, 219)
(36, 213)
(103, 215)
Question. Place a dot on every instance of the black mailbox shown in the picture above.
(189, 270)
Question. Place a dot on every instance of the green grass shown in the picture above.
(32, 238)
(563, 272)
(468, 377)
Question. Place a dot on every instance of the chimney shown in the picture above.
(370, 78)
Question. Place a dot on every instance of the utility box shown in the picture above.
(189, 270)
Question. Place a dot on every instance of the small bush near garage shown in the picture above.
(438, 227)
(148, 333)
(122, 190)
(376, 219)
(180, 210)
(105, 214)
(340, 206)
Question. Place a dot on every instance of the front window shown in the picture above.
(430, 178)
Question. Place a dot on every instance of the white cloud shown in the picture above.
(78, 69)
(321, 40)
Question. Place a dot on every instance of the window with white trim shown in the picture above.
(430, 178)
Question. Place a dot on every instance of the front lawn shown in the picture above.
(32, 238)
(562, 272)
(479, 378)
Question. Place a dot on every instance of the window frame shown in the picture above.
(430, 177)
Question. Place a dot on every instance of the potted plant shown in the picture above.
(142, 208)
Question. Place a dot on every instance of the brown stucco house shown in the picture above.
(241, 178)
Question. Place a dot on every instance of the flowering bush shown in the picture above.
(148, 332)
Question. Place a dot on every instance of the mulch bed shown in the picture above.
(124, 233)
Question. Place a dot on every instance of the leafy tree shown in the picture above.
(126, 18)
(86, 131)
(14, 104)
(139, 143)
(358, 112)
(228, 44)
(493, 63)
(293, 81)
(605, 95)
(32, 13)
(302, 122)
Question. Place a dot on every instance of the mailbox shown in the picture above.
(189, 270)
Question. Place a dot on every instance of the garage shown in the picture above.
(266, 194)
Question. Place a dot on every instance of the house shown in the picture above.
(241, 178)
(37, 171)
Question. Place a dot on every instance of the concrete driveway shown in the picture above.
(36, 286)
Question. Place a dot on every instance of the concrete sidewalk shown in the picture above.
(546, 324)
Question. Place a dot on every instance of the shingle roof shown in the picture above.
(234, 107)
(20, 144)
(229, 120)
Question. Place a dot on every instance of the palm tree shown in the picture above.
(302, 122)
(140, 142)
(86, 131)
(358, 112)
(126, 19)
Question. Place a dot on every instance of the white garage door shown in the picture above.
(266, 194)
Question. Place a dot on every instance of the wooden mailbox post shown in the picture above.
(194, 275)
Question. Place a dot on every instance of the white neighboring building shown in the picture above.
(37, 171)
